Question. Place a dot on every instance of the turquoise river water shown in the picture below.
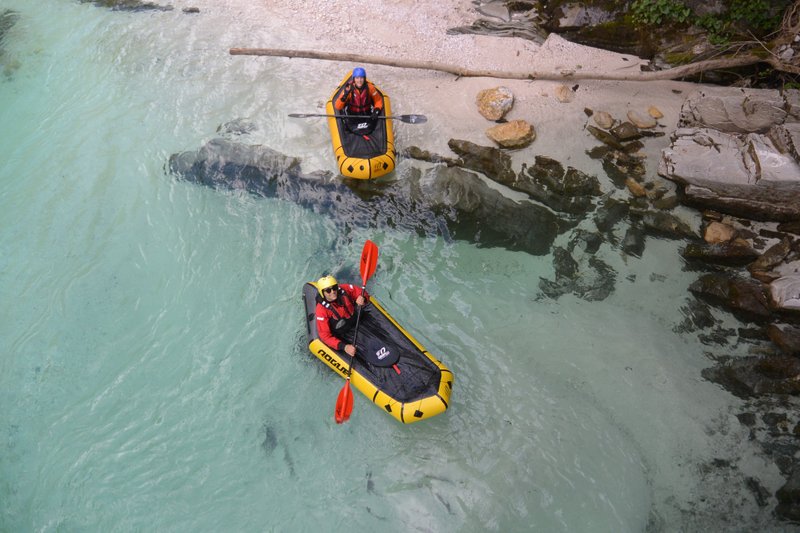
(153, 373)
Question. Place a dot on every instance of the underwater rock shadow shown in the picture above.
(442, 201)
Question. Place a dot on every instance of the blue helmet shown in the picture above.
(359, 72)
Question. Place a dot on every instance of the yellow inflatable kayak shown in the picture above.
(409, 383)
(361, 156)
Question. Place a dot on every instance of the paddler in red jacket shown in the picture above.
(336, 312)
(360, 97)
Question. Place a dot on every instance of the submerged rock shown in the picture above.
(747, 377)
(625, 131)
(594, 283)
(610, 212)
(240, 126)
(568, 191)
(634, 241)
(786, 337)
(566, 267)
(789, 499)
(605, 137)
(745, 298)
(415, 152)
(589, 241)
(663, 224)
(225, 164)
(128, 5)
(482, 214)
(8, 18)
(8, 65)
(733, 253)
(489, 161)
(696, 315)
(446, 201)
(620, 167)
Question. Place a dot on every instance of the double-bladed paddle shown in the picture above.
(344, 403)
(408, 119)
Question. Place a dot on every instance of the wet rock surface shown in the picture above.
(661, 224)
(735, 157)
(8, 18)
(738, 155)
(591, 280)
(735, 253)
(746, 298)
(128, 5)
(547, 181)
(447, 201)
(8, 64)
(785, 337)
(747, 377)
(489, 161)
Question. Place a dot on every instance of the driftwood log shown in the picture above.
(669, 74)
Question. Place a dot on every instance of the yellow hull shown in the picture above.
(363, 168)
(407, 411)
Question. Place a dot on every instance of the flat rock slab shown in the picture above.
(745, 175)
(750, 111)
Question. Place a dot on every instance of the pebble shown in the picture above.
(655, 112)
(603, 120)
(564, 94)
(641, 121)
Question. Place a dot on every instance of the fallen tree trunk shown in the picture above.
(669, 74)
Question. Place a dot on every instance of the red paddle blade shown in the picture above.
(344, 404)
(369, 260)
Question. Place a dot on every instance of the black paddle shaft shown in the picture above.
(408, 119)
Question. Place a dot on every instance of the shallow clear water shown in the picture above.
(152, 368)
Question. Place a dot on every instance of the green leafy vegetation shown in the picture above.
(654, 12)
(741, 17)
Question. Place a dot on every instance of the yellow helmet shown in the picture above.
(326, 282)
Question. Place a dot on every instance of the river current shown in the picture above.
(153, 370)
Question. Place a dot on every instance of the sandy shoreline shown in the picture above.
(413, 30)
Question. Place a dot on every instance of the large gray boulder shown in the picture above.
(744, 175)
(746, 112)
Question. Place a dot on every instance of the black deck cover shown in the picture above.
(362, 138)
(419, 377)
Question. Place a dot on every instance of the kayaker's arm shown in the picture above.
(344, 96)
(377, 97)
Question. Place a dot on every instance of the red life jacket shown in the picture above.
(360, 102)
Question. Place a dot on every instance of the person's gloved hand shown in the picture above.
(375, 113)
